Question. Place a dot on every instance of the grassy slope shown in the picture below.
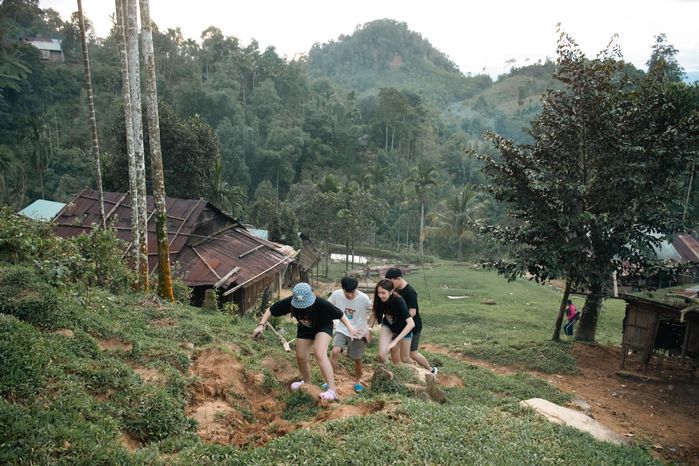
(83, 398)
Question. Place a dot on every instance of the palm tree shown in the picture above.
(131, 23)
(230, 199)
(91, 110)
(422, 177)
(165, 289)
(457, 217)
(136, 234)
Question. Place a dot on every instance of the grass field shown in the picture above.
(71, 400)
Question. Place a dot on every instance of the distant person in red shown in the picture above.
(572, 315)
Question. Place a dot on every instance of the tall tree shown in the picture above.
(457, 218)
(91, 110)
(663, 57)
(136, 234)
(599, 182)
(422, 178)
(137, 121)
(156, 157)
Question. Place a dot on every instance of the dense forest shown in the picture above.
(352, 144)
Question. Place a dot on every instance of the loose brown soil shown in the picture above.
(663, 410)
(232, 405)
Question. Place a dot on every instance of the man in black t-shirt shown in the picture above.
(409, 294)
(314, 330)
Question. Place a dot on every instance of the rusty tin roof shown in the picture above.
(206, 245)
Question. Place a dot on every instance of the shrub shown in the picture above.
(182, 291)
(152, 413)
(300, 406)
(90, 259)
(25, 295)
(24, 358)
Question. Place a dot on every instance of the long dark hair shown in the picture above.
(379, 305)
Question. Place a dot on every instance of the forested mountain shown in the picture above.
(322, 145)
(385, 53)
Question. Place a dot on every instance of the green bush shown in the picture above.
(24, 358)
(90, 259)
(25, 295)
(151, 413)
(300, 406)
(58, 434)
(182, 291)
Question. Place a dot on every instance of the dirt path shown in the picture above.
(663, 412)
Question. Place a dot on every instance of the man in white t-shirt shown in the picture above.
(357, 308)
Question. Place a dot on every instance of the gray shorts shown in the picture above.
(415, 342)
(353, 348)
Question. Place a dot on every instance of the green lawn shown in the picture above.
(65, 401)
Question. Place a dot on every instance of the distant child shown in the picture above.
(572, 316)
(357, 308)
(396, 324)
(314, 329)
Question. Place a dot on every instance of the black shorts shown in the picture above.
(309, 333)
(415, 342)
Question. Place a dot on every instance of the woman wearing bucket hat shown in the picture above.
(314, 330)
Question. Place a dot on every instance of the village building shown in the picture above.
(208, 248)
(50, 49)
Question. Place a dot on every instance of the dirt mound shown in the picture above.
(234, 407)
(113, 345)
(149, 375)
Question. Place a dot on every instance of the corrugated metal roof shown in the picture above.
(53, 45)
(41, 209)
(687, 247)
(202, 259)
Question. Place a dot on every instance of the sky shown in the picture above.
(478, 36)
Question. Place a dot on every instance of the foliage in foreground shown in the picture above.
(65, 400)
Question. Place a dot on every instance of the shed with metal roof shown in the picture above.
(208, 248)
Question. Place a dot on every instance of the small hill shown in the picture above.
(506, 107)
(385, 53)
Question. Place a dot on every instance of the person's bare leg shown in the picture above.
(420, 359)
(404, 346)
(385, 336)
(320, 349)
(358, 371)
(303, 347)
(395, 354)
(334, 355)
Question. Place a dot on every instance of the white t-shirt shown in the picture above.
(357, 311)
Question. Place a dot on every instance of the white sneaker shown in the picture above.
(434, 370)
(297, 385)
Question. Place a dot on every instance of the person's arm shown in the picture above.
(261, 326)
(353, 332)
(411, 302)
(409, 325)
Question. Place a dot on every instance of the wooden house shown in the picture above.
(659, 328)
(208, 248)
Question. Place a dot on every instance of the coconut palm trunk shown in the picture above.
(91, 110)
(128, 125)
(156, 159)
(137, 118)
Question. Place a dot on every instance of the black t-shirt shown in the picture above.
(395, 313)
(409, 294)
(319, 314)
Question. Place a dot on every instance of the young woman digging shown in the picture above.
(314, 330)
(396, 324)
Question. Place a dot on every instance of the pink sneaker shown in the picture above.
(297, 385)
(329, 395)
